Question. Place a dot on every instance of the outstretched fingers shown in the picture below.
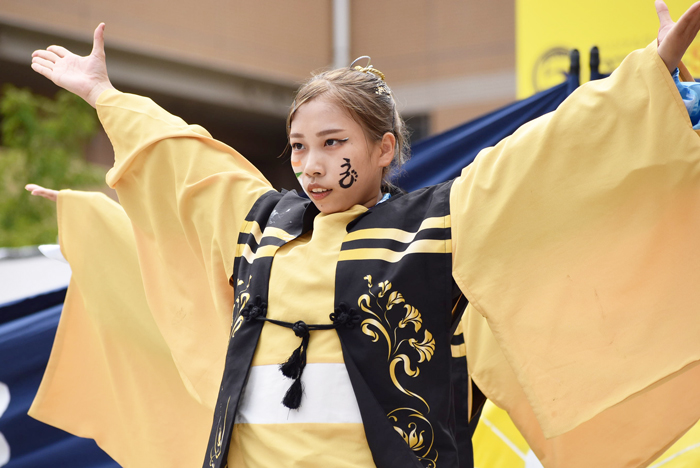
(42, 70)
(58, 50)
(40, 191)
(46, 55)
(43, 62)
(674, 39)
(98, 41)
(689, 23)
(665, 21)
(662, 12)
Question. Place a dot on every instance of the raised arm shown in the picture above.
(186, 196)
(576, 240)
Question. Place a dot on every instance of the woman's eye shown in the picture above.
(335, 142)
(297, 146)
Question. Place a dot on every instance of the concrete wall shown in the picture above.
(233, 66)
(442, 57)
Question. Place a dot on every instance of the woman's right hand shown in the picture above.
(40, 191)
(675, 38)
(84, 76)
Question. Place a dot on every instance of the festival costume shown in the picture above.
(573, 241)
(402, 383)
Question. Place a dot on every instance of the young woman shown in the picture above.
(573, 241)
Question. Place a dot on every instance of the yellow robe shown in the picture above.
(573, 240)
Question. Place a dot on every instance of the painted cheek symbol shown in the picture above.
(349, 175)
(295, 166)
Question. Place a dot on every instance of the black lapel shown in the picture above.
(272, 212)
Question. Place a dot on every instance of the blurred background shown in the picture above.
(233, 66)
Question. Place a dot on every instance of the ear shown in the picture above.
(386, 147)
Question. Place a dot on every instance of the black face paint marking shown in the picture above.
(349, 176)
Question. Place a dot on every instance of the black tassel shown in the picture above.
(295, 364)
(292, 399)
(294, 367)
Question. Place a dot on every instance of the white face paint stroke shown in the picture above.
(4, 403)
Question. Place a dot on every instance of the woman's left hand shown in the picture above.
(39, 191)
(675, 38)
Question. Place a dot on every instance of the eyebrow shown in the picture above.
(319, 134)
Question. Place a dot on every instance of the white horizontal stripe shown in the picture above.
(328, 397)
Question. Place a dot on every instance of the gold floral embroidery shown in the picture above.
(381, 325)
(394, 298)
(412, 316)
(216, 450)
(425, 348)
(241, 301)
(417, 432)
(415, 441)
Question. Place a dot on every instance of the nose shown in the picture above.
(314, 165)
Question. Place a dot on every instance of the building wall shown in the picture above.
(422, 40)
(233, 66)
(447, 58)
(267, 39)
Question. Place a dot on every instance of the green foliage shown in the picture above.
(43, 143)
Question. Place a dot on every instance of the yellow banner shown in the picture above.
(498, 444)
(546, 30)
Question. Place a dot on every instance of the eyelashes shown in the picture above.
(331, 142)
(336, 141)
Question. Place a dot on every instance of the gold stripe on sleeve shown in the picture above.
(421, 246)
(252, 228)
(278, 233)
(442, 222)
(245, 251)
(459, 350)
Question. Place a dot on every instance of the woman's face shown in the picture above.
(336, 164)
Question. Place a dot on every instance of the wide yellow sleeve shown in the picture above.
(575, 242)
(186, 196)
(111, 376)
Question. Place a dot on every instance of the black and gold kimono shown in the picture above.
(396, 310)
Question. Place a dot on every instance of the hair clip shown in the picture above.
(381, 88)
(368, 69)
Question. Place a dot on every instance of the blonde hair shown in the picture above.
(368, 100)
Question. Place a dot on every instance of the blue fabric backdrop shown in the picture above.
(27, 330)
(27, 327)
(442, 157)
